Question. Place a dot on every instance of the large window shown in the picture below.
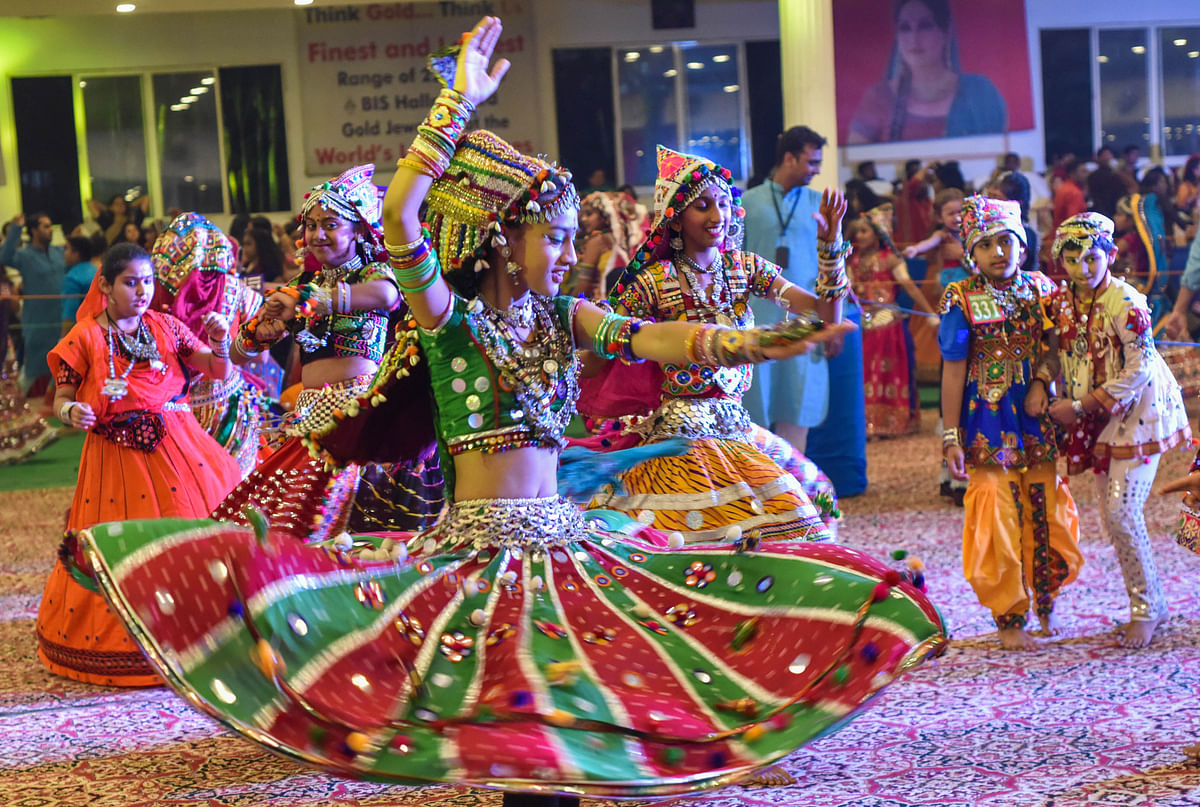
(1179, 52)
(684, 96)
(1124, 88)
(163, 134)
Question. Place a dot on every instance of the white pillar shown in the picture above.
(806, 57)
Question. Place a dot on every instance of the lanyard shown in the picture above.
(783, 225)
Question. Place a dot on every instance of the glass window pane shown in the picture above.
(1180, 51)
(189, 144)
(646, 78)
(714, 105)
(116, 141)
(1124, 112)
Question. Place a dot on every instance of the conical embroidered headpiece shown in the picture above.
(681, 179)
(353, 196)
(190, 242)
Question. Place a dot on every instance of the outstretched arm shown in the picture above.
(426, 292)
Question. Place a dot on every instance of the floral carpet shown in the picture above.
(1079, 721)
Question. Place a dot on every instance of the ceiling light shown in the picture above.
(731, 88)
(695, 65)
(721, 57)
(670, 73)
(188, 99)
(1192, 54)
(1138, 49)
(656, 48)
(208, 80)
(632, 56)
(1179, 43)
(198, 90)
(1102, 59)
(189, 179)
(82, 84)
(303, 2)
(178, 107)
(125, 8)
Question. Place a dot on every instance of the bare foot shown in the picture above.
(1016, 639)
(1137, 633)
(1051, 625)
(1193, 751)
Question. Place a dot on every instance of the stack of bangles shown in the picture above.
(415, 263)
(247, 344)
(718, 346)
(614, 337)
(951, 437)
(438, 136)
(832, 281)
(220, 348)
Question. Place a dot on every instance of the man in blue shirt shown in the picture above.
(792, 397)
(41, 267)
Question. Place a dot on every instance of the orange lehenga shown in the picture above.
(185, 475)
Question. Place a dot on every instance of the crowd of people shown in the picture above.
(476, 480)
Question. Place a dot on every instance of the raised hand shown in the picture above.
(829, 216)
(472, 78)
(216, 326)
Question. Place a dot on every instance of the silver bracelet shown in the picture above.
(64, 411)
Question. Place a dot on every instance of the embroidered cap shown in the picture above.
(1081, 231)
(983, 217)
(190, 242)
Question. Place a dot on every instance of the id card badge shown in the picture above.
(982, 308)
(781, 256)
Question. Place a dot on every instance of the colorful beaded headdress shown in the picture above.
(983, 217)
(190, 242)
(489, 183)
(1082, 231)
(353, 196)
(681, 179)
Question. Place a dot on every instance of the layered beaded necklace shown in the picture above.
(539, 369)
(518, 315)
(140, 346)
(715, 302)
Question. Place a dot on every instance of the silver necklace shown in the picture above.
(518, 315)
(713, 301)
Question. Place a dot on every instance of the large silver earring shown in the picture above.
(513, 269)
(676, 241)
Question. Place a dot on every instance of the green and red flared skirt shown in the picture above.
(517, 644)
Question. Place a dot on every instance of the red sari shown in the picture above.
(183, 476)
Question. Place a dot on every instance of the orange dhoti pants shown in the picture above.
(1020, 540)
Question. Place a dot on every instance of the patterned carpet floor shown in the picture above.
(1079, 721)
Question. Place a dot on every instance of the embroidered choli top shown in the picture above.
(998, 331)
(359, 333)
(492, 393)
(655, 293)
(1107, 349)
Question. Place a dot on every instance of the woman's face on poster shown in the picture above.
(921, 42)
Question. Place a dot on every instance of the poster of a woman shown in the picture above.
(923, 87)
